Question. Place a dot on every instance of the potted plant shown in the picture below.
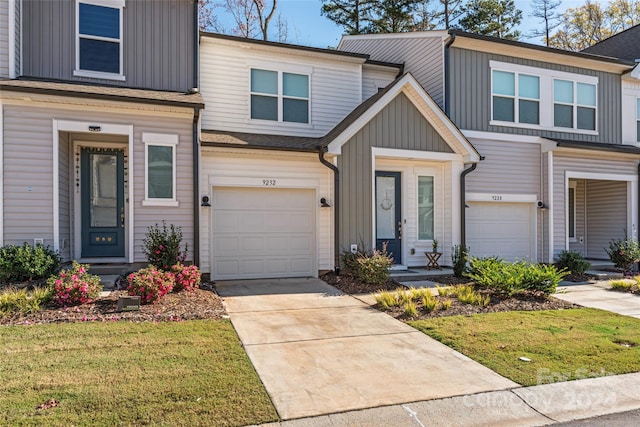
(434, 245)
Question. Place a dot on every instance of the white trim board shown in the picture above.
(12, 41)
(415, 155)
(1, 175)
(501, 197)
(551, 224)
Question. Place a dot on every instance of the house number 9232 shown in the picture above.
(269, 182)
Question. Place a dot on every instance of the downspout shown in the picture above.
(196, 43)
(463, 204)
(336, 206)
(446, 74)
(196, 188)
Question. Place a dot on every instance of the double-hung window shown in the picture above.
(99, 39)
(638, 120)
(160, 169)
(279, 96)
(574, 105)
(425, 208)
(515, 97)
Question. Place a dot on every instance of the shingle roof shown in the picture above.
(624, 45)
(264, 141)
(597, 146)
(84, 90)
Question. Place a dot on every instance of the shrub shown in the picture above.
(459, 255)
(23, 263)
(446, 304)
(572, 261)
(410, 309)
(447, 291)
(23, 301)
(161, 246)
(75, 286)
(150, 284)
(387, 299)
(622, 285)
(187, 277)
(429, 302)
(370, 267)
(624, 253)
(542, 278)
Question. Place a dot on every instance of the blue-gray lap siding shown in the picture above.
(400, 126)
(158, 43)
(469, 78)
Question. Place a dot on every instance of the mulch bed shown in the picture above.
(523, 302)
(201, 303)
(578, 278)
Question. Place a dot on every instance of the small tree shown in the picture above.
(162, 246)
(624, 253)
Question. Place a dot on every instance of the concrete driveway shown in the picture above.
(319, 351)
(599, 295)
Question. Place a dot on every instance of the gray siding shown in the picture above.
(422, 57)
(470, 97)
(399, 125)
(66, 208)
(580, 219)
(157, 47)
(18, 38)
(606, 215)
(4, 38)
(28, 192)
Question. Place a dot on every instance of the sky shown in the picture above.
(306, 26)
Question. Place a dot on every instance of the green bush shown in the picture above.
(572, 261)
(23, 263)
(23, 301)
(512, 278)
(373, 269)
(624, 253)
(162, 246)
(459, 255)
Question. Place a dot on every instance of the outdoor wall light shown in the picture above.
(324, 203)
(205, 201)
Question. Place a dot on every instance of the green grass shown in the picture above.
(174, 374)
(562, 344)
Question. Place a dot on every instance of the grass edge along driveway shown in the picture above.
(120, 373)
(563, 345)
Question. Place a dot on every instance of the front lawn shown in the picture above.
(562, 345)
(121, 373)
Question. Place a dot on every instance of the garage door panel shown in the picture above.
(263, 233)
(504, 230)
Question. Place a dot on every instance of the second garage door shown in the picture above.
(263, 233)
(500, 229)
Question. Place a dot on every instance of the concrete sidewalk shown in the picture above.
(320, 352)
(599, 295)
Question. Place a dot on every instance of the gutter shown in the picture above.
(196, 188)
(446, 72)
(336, 204)
(463, 204)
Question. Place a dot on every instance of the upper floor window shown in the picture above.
(638, 120)
(544, 99)
(516, 97)
(99, 39)
(574, 105)
(279, 96)
(160, 169)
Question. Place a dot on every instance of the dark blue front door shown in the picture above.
(389, 214)
(102, 195)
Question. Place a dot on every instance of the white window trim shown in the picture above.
(280, 96)
(637, 119)
(435, 210)
(546, 101)
(115, 4)
(516, 97)
(575, 105)
(573, 185)
(161, 140)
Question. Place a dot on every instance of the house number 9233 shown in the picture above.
(269, 182)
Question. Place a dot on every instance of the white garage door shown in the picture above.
(500, 229)
(263, 233)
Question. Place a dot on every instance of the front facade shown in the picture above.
(557, 173)
(97, 125)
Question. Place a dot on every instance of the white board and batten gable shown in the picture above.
(335, 84)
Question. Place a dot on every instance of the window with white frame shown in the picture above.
(515, 97)
(544, 99)
(574, 105)
(160, 169)
(571, 211)
(425, 208)
(99, 38)
(279, 96)
(638, 120)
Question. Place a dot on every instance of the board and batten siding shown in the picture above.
(4, 38)
(470, 97)
(28, 192)
(399, 125)
(65, 188)
(564, 164)
(225, 86)
(271, 165)
(606, 215)
(422, 56)
(158, 51)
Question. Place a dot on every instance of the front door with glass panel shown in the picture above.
(389, 214)
(102, 202)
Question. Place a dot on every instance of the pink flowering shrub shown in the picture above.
(150, 284)
(187, 277)
(75, 286)
(162, 246)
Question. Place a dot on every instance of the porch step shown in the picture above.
(605, 275)
(114, 269)
(108, 281)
